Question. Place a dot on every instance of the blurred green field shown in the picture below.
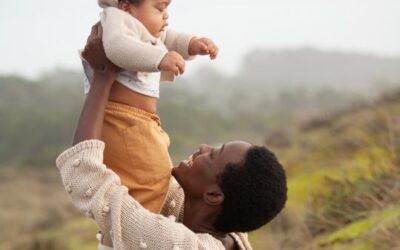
(343, 166)
(344, 182)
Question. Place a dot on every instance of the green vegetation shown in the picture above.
(343, 166)
(344, 180)
(361, 227)
(38, 116)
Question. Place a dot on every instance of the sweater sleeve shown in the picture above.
(179, 42)
(174, 202)
(123, 44)
(97, 192)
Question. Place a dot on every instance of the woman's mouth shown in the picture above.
(187, 163)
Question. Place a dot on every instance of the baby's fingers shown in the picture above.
(181, 67)
(176, 71)
(214, 52)
(204, 48)
(178, 68)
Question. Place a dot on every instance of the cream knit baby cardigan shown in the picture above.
(129, 45)
(97, 192)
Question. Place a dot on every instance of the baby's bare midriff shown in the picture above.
(123, 95)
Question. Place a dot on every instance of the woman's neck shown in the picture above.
(200, 218)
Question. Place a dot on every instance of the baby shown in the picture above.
(135, 38)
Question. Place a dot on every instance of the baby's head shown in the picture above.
(151, 13)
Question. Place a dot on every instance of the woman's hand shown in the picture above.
(94, 54)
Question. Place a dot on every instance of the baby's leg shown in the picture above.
(137, 150)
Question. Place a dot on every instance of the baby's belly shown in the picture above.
(124, 95)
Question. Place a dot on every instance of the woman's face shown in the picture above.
(196, 175)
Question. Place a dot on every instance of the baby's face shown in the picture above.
(152, 14)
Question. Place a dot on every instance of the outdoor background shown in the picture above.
(316, 81)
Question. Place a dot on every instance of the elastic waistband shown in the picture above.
(115, 106)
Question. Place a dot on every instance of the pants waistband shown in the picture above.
(114, 106)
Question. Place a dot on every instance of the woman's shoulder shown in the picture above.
(242, 241)
(174, 202)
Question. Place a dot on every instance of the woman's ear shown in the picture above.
(213, 196)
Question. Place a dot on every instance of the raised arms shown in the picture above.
(90, 123)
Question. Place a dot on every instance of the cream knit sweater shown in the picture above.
(97, 192)
(129, 45)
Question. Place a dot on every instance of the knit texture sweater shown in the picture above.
(97, 192)
(129, 45)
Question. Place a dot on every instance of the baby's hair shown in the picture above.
(133, 2)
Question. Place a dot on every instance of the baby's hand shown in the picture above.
(203, 46)
(173, 62)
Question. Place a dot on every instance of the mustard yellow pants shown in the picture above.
(137, 150)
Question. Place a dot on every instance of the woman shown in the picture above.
(235, 188)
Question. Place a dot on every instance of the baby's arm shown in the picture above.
(188, 45)
(122, 44)
(177, 41)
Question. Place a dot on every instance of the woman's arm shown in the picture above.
(90, 122)
(97, 191)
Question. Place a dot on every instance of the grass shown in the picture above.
(344, 178)
(363, 227)
(344, 191)
(39, 213)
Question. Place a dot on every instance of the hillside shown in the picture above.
(262, 95)
(342, 162)
(344, 175)
(343, 168)
(38, 116)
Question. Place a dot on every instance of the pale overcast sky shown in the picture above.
(36, 36)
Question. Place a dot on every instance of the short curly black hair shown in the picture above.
(255, 192)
